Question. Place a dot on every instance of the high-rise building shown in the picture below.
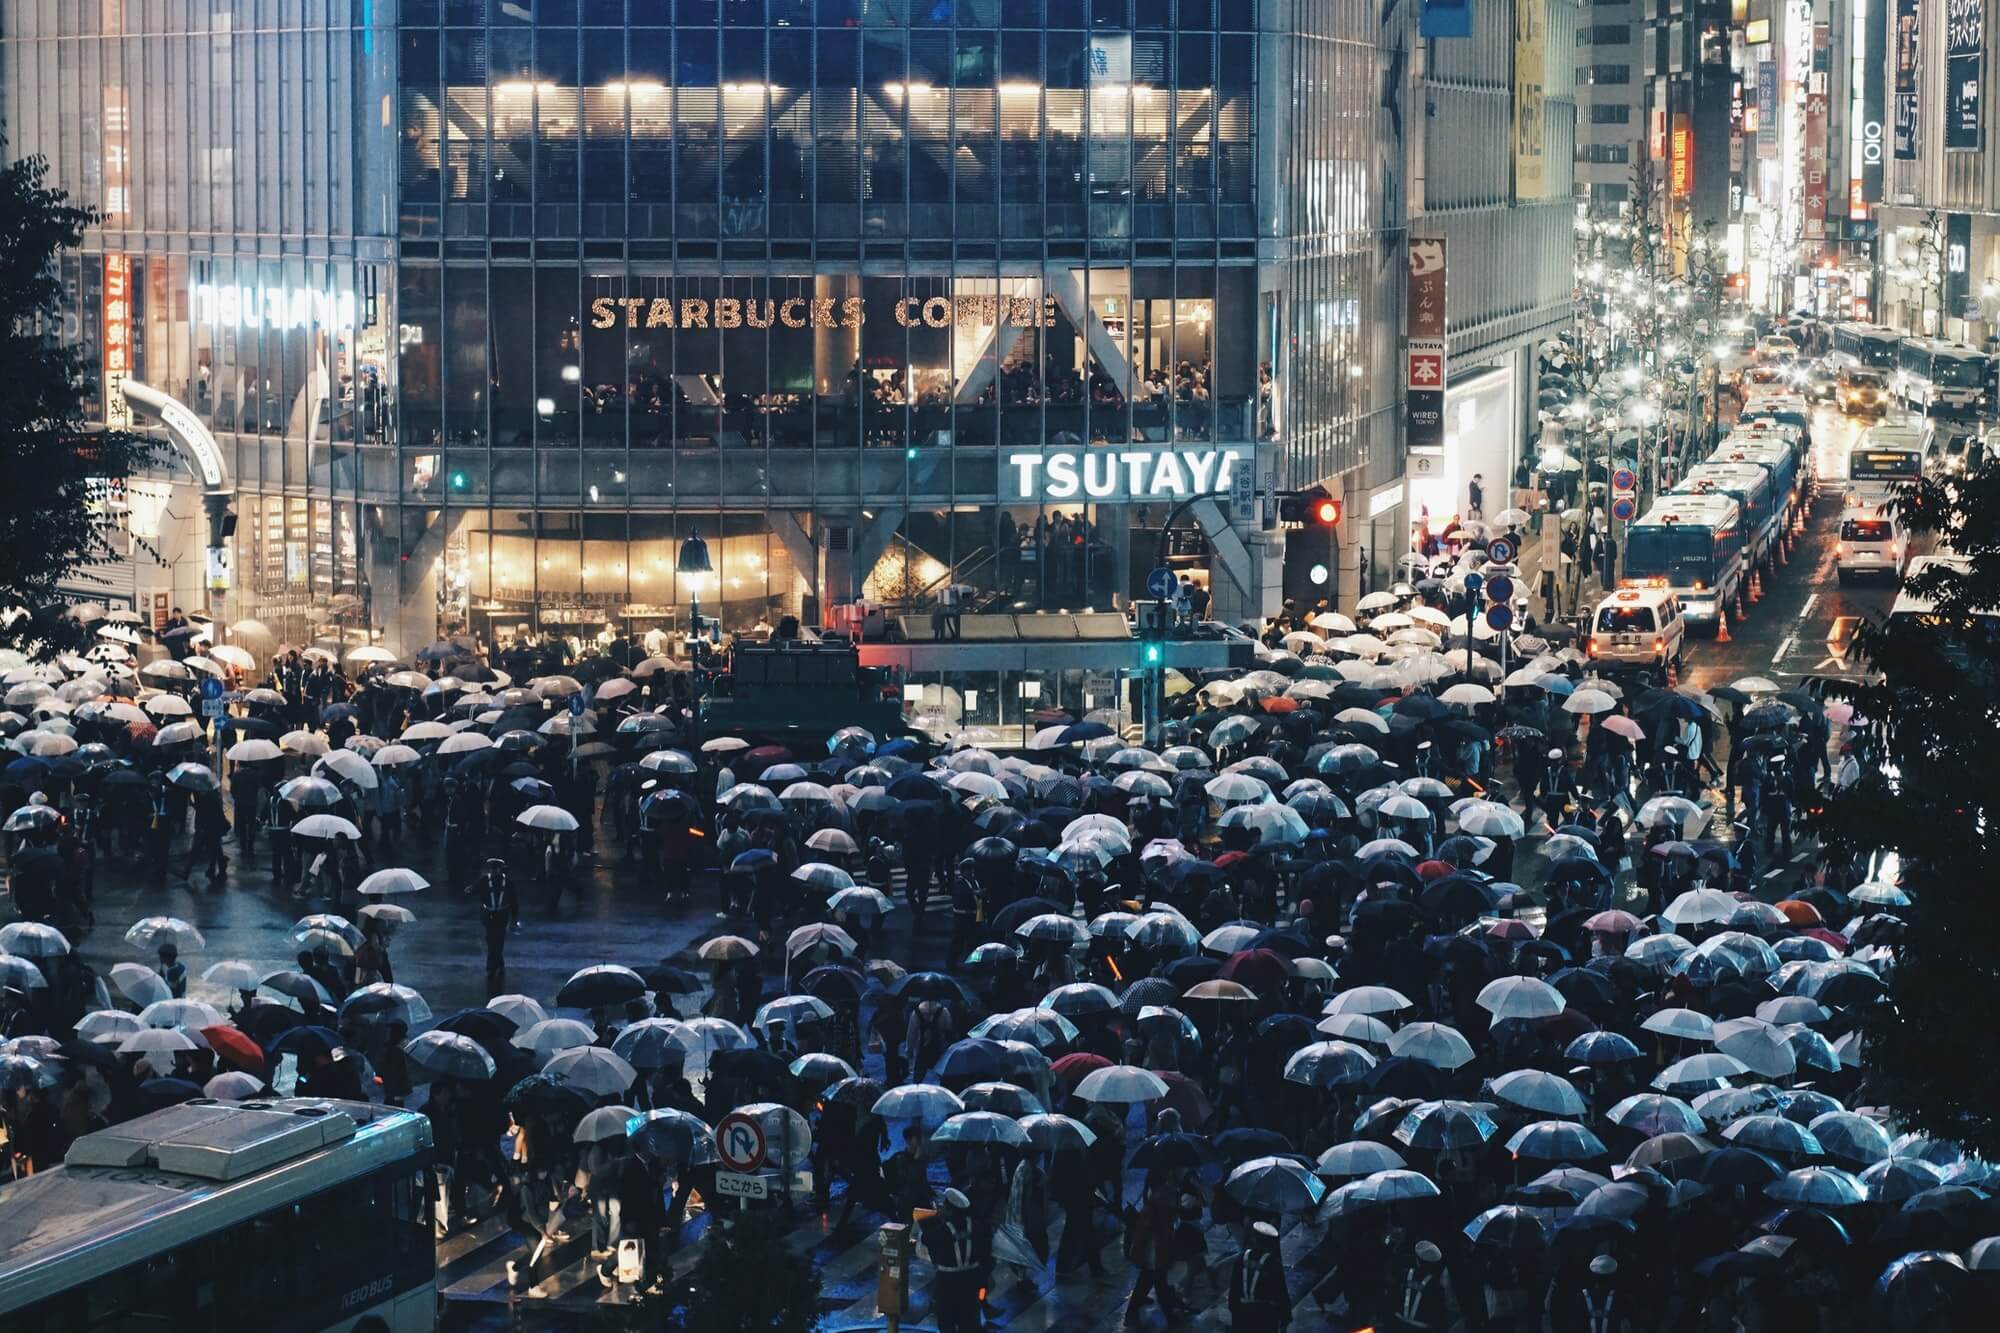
(479, 310)
(1610, 116)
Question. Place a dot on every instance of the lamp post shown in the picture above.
(694, 560)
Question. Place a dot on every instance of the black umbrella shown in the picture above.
(932, 986)
(1399, 1076)
(1168, 1151)
(666, 979)
(755, 1067)
(308, 1043)
(1011, 917)
(490, 1028)
(265, 1023)
(600, 988)
(543, 1094)
(1237, 1146)
(833, 983)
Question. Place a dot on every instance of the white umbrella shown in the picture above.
(1687, 1024)
(177, 1013)
(1368, 1000)
(1589, 701)
(326, 826)
(604, 1124)
(350, 767)
(395, 756)
(32, 939)
(255, 750)
(1521, 997)
(1539, 1091)
(152, 931)
(522, 1011)
(1432, 1043)
(549, 818)
(303, 742)
(1121, 1083)
(449, 1054)
(1700, 907)
(370, 653)
(393, 879)
(140, 985)
(551, 1036)
(156, 1041)
(1467, 693)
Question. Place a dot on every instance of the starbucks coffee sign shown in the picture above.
(823, 312)
(1112, 474)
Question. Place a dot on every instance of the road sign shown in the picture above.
(1473, 583)
(1161, 583)
(739, 1140)
(211, 697)
(1500, 615)
(576, 704)
(1500, 551)
(213, 708)
(1624, 507)
(1500, 588)
(1624, 479)
(211, 688)
(735, 1185)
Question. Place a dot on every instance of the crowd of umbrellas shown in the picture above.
(1271, 965)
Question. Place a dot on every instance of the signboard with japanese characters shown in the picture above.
(1424, 329)
(1964, 72)
(117, 339)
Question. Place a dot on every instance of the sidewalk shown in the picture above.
(1539, 552)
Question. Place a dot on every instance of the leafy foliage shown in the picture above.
(1933, 1051)
(748, 1280)
(48, 527)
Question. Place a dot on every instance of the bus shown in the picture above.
(1883, 459)
(1933, 375)
(301, 1214)
(1691, 545)
(1756, 498)
(1858, 346)
(1770, 452)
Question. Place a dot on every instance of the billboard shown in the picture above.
(1867, 33)
(1767, 109)
(1424, 361)
(116, 341)
(1531, 28)
(1906, 44)
(1964, 71)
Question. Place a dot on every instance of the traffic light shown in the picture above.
(1151, 655)
(1313, 507)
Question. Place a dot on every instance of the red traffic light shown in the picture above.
(1315, 506)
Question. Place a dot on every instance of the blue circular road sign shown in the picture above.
(1500, 615)
(1500, 551)
(1161, 583)
(1623, 507)
(1500, 588)
(1474, 582)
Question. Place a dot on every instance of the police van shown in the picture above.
(1872, 541)
(1640, 628)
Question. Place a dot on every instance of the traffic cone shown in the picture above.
(1722, 624)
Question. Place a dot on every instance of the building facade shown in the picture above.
(485, 308)
(1610, 115)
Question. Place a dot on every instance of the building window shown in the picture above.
(1604, 34)
(1606, 74)
(1615, 114)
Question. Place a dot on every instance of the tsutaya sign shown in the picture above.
(1111, 474)
(824, 312)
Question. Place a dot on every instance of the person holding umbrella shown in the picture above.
(1259, 1301)
(211, 824)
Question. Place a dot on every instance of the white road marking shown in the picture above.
(1806, 610)
(1784, 646)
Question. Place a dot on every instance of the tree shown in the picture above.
(1932, 1050)
(748, 1280)
(51, 521)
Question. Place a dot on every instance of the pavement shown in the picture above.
(1797, 630)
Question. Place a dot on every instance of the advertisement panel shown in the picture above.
(117, 339)
(1767, 109)
(1964, 70)
(1867, 30)
(1531, 25)
(1957, 262)
(1680, 166)
(1424, 327)
(1818, 106)
(1907, 45)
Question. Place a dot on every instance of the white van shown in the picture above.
(1872, 542)
(1638, 627)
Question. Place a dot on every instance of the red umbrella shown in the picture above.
(1801, 913)
(1184, 1096)
(765, 756)
(1071, 1068)
(236, 1049)
(1433, 869)
(1835, 938)
(1230, 860)
(1279, 703)
(1255, 968)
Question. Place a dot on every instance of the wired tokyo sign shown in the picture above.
(1111, 475)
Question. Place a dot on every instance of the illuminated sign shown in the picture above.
(1681, 170)
(1964, 71)
(230, 305)
(1113, 474)
(826, 312)
(1757, 32)
(117, 344)
(1908, 53)
(1867, 34)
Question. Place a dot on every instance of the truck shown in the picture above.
(1692, 545)
(1770, 452)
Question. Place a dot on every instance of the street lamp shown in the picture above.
(694, 560)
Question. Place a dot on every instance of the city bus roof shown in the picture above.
(1866, 330)
(1692, 510)
(150, 1184)
(1746, 476)
(1908, 603)
(1946, 347)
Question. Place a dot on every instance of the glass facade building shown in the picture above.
(491, 303)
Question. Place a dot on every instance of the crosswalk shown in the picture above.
(473, 1280)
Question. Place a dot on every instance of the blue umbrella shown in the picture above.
(1602, 1048)
(974, 1060)
(1084, 731)
(28, 768)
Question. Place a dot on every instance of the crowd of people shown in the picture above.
(1386, 990)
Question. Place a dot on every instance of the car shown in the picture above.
(1640, 628)
(1862, 391)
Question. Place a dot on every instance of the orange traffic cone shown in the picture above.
(1722, 624)
(1756, 585)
